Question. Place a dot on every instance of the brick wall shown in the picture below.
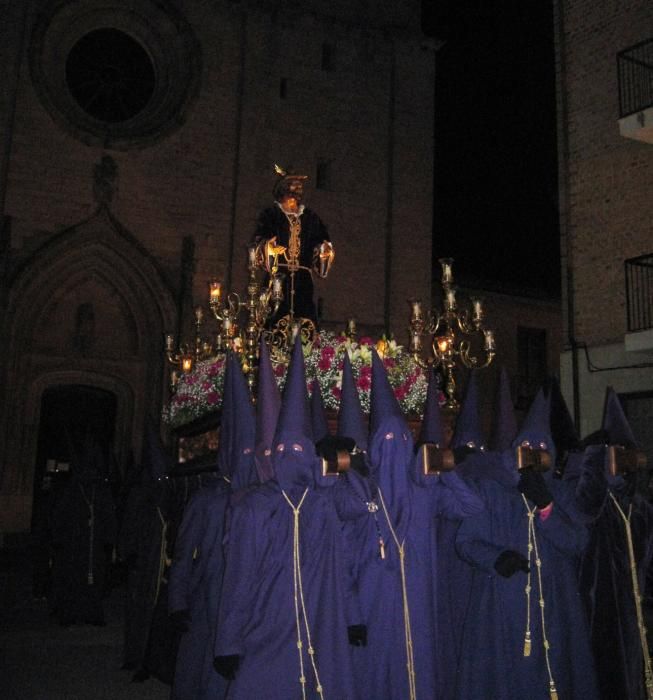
(606, 179)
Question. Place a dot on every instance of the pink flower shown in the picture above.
(214, 369)
(213, 398)
(389, 362)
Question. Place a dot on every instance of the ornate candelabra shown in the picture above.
(452, 332)
(186, 355)
(262, 302)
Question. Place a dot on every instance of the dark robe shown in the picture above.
(194, 586)
(413, 506)
(83, 529)
(144, 548)
(493, 664)
(258, 618)
(273, 222)
(605, 576)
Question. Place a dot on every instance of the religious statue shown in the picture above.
(292, 239)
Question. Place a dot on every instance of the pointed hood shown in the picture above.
(226, 439)
(468, 431)
(391, 448)
(319, 425)
(243, 467)
(565, 436)
(432, 430)
(504, 424)
(615, 423)
(267, 414)
(536, 428)
(294, 458)
(383, 402)
(351, 422)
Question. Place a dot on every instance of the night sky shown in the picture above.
(495, 142)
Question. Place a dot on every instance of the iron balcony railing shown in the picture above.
(639, 292)
(635, 71)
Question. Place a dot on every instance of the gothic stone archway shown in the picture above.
(89, 308)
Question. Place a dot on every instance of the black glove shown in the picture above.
(510, 562)
(357, 635)
(181, 620)
(329, 445)
(533, 486)
(227, 666)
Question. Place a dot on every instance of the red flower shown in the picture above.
(366, 340)
(279, 370)
(213, 398)
(336, 392)
(400, 392)
(364, 383)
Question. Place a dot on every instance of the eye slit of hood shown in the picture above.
(389, 436)
(525, 443)
(297, 448)
(267, 452)
(281, 448)
(543, 446)
(247, 451)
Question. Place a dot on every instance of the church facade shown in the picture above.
(139, 138)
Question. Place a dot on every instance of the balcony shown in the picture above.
(639, 303)
(635, 73)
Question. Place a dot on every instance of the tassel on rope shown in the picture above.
(527, 644)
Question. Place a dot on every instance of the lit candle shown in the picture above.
(477, 306)
(417, 308)
(443, 344)
(187, 363)
(277, 287)
(252, 256)
(451, 299)
(215, 292)
(447, 274)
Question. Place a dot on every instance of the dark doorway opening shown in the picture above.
(70, 415)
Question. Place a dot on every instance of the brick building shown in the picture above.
(138, 138)
(604, 54)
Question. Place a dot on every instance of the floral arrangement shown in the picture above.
(200, 392)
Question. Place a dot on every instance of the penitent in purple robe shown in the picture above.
(282, 610)
(496, 661)
(389, 522)
(195, 581)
